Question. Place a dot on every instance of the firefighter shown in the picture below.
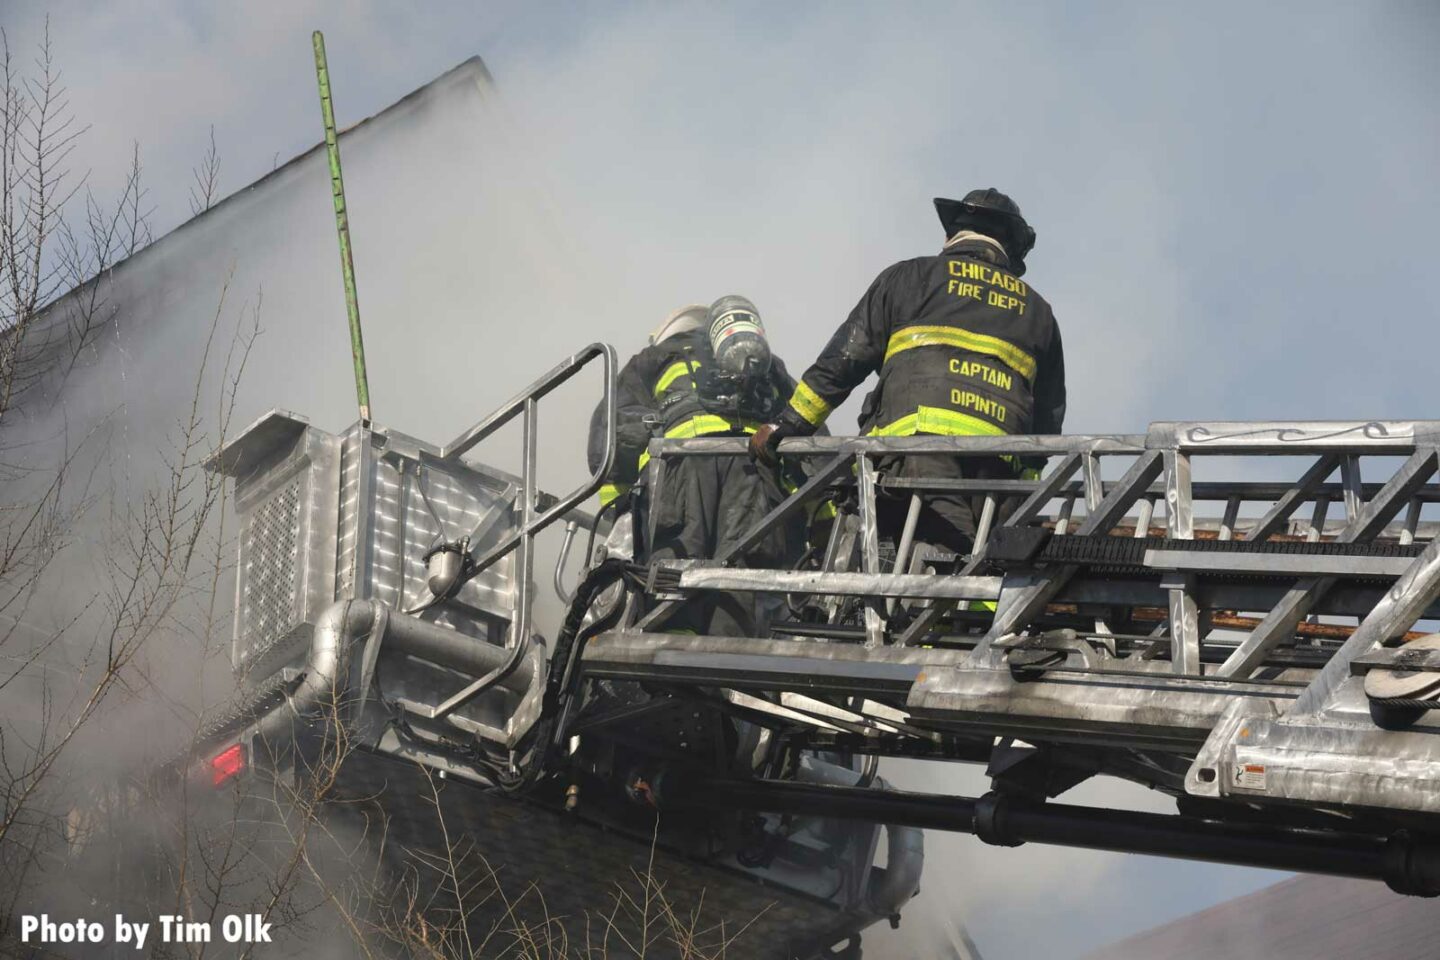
(963, 347)
(704, 504)
(638, 390)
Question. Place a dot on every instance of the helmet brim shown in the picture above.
(1018, 245)
(948, 210)
(687, 319)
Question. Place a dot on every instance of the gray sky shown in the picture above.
(1249, 190)
(1235, 210)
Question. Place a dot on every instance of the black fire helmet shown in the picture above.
(994, 214)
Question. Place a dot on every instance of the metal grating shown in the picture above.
(270, 569)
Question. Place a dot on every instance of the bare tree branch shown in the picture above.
(205, 190)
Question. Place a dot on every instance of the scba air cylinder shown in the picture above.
(737, 339)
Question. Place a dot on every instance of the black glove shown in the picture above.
(764, 441)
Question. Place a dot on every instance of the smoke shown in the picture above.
(1227, 204)
(146, 403)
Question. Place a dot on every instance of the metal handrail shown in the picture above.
(542, 385)
(525, 404)
(1159, 472)
(565, 595)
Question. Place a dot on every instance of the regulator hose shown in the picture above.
(561, 677)
(570, 641)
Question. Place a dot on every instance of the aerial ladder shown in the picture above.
(1260, 666)
(1265, 662)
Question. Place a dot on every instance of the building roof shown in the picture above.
(1303, 918)
(470, 70)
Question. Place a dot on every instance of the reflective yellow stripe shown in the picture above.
(809, 405)
(612, 491)
(672, 373)
(708, 423)
(701, 426)
(936, 420)
(944, 423)
(1004, 351)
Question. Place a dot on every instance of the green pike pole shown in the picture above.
(342, 227)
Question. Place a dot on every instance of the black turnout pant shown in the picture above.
(946, 519)
(704, 506)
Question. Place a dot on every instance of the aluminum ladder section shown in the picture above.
(1099, 621)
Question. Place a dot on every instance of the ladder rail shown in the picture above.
(1182, 642)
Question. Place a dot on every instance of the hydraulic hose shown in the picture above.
(561, 679)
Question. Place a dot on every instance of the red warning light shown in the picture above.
(227, 764)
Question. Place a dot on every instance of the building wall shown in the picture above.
(465, 297)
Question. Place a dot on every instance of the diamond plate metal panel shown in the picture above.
(397, 500)
(285, 479)
(545, 870)
(269, 588)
